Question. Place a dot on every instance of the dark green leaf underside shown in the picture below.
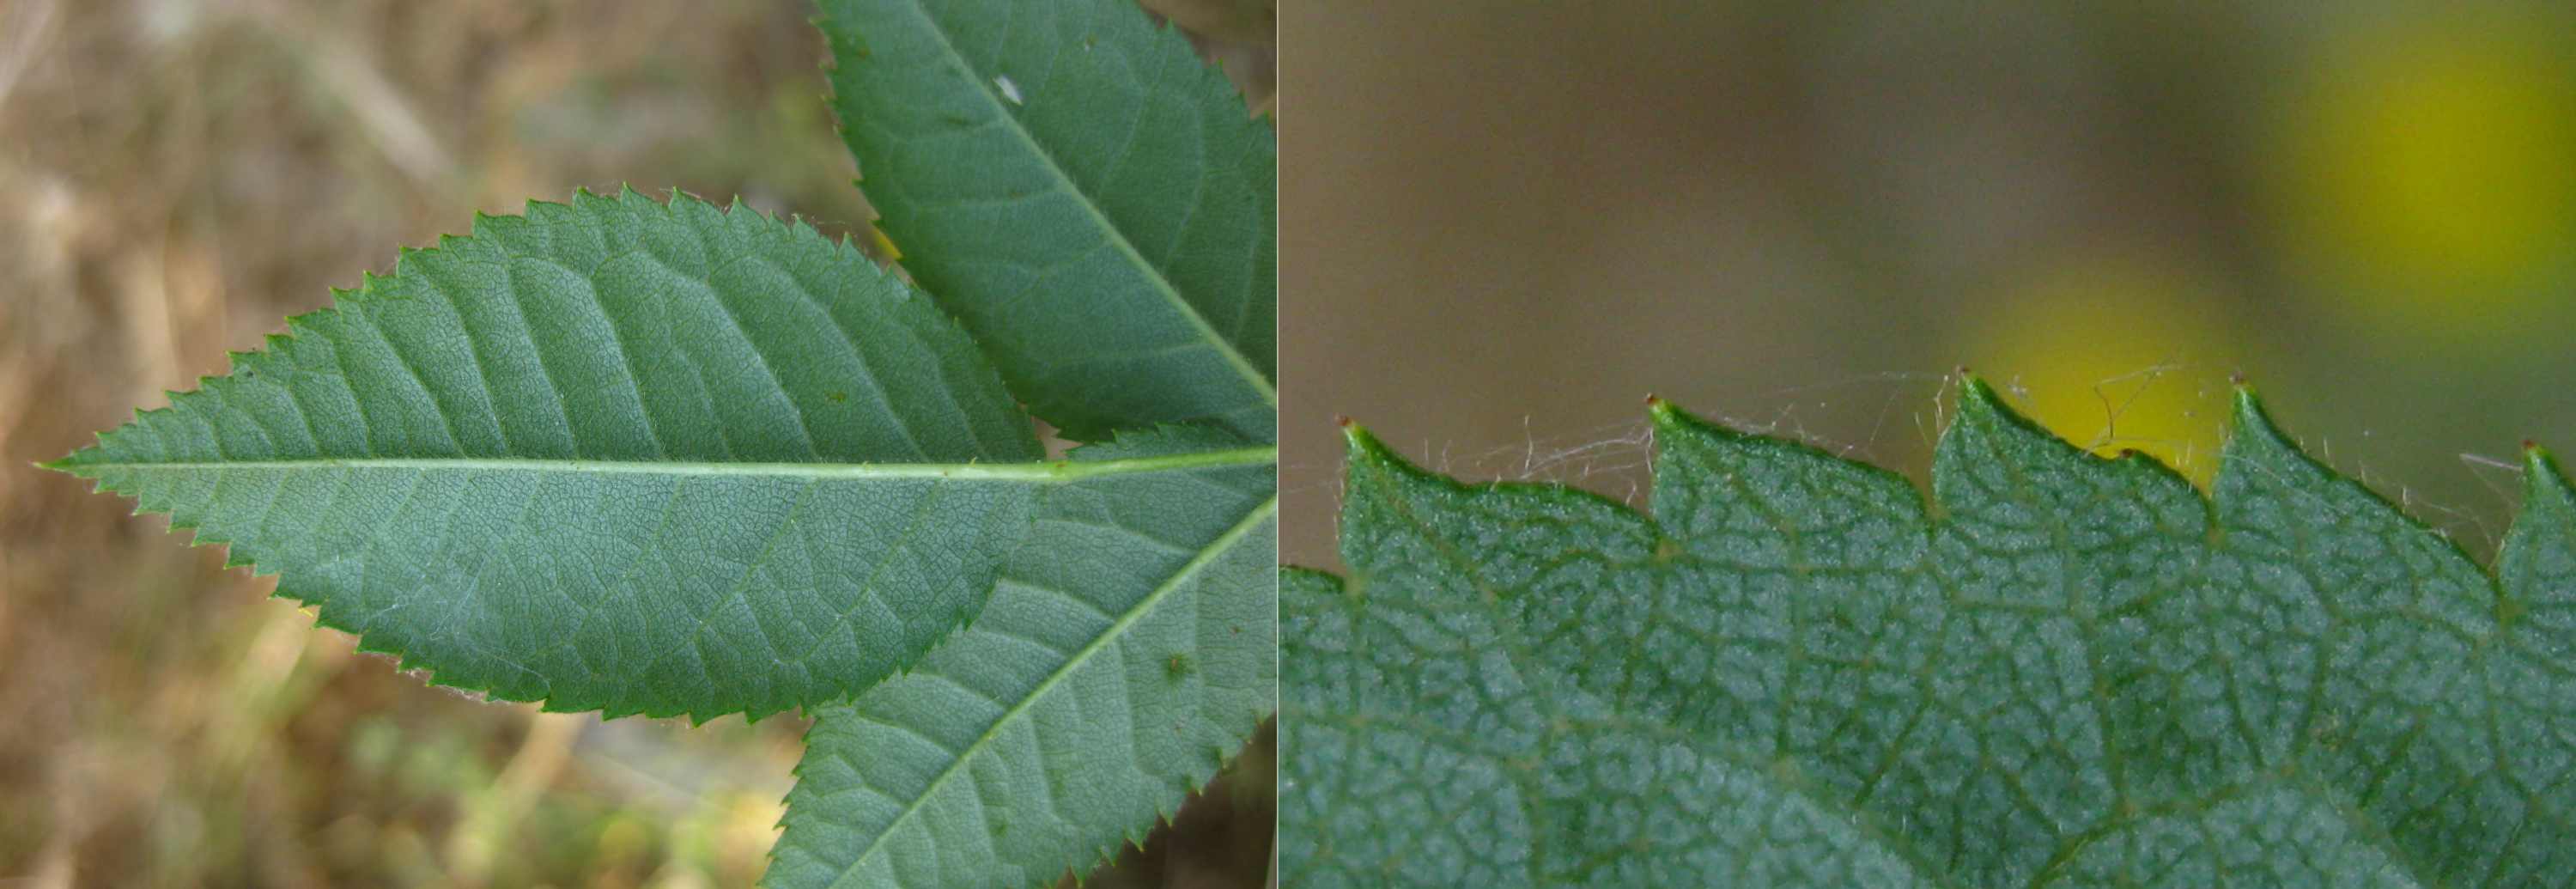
(1091, 200)
(1129, 652)
(2081, 673)
(613, 455)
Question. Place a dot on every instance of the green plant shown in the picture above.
(671, 459)
(2064, 670)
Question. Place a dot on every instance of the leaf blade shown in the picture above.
(1128, 654)
(429, 462)
(1114, 244)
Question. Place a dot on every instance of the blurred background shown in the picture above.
(1505, 222)
(176, 177)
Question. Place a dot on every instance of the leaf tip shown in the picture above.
(2250, 415)
(1978, 398)
(585, 199)
(1662, 412)
(2243, 387)
(1365, 447)
(2543, 481)
(1670, 420)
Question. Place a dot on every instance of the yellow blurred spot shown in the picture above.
(2430, 168)
(885, 245)
(2113, 356)
(622, 841)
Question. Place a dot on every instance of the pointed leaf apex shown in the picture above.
(2244, 386)
(1979, 400)
(1368, 449)
(1664, 415)
(1669, 418)
(2543, 482)
(1356, 435)
(2250, 414)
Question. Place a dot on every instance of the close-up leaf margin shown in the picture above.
(1507, 618)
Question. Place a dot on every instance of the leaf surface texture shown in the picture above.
(2064, 671)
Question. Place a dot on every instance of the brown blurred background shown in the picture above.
(1506, 221)
(177, 176)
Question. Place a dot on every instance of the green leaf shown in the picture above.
(2071, 671)
(1128, 653)
(614, 455)
(1090, 199)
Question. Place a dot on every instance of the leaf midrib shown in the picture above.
(1207, 555)
(1116, 235)
(1045, 471)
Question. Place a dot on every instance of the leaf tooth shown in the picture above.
(407, 259)
(1711, 480)
(585, 199)
(1987, 433)
(2535, 563)
(2254, 440)
(795, 224)
(1364, 447)
(300, 324)
(371, 286)
(2252, 423)
(1981, 407)
(2543, 481)
(1370, 461)
(2259, 455)
(540, 208)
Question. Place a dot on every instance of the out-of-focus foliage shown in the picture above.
(2423, 170)
(174, 177)
(1811, 212)
(2127, 327)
